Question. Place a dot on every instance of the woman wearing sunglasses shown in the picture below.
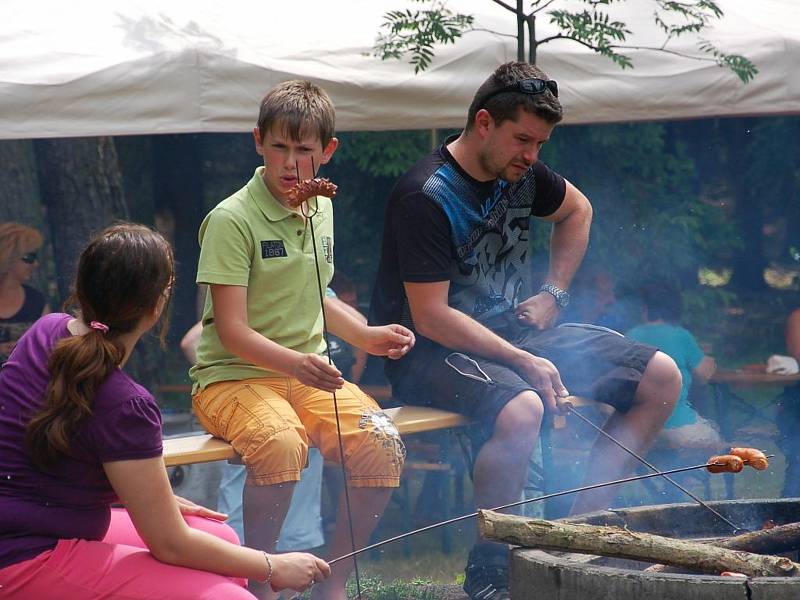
(20, 304)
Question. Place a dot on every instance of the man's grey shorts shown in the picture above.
(594, 362)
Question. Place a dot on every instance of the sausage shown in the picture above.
(308, 188)
(727, 463)
(752, 457)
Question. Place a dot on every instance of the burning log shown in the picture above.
(622, 543)
(776, 539)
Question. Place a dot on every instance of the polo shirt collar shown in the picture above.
(266, 202)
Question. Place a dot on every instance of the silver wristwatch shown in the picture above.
(561, 296)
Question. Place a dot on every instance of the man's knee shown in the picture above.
(661, 381)
(521, 418)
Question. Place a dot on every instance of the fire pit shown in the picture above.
(564, 576)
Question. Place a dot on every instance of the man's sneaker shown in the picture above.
(487, 576)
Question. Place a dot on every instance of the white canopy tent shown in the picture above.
(99, 67)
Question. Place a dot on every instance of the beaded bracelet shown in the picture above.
(269, 566)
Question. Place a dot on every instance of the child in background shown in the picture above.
(662, 309)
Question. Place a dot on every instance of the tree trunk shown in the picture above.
(81, 187)
(749, 262)
(178, 188)
(19, 194)
(622, 543)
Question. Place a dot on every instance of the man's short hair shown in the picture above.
(300, 108)
(506, 105)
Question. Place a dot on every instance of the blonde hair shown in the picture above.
(15, 240)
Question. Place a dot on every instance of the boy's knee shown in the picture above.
(375, 451)
(276, 452)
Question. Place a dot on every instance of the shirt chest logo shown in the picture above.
(273, 249)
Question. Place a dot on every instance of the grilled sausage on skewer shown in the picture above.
(308, 188)
(727, 463)
(752, 457)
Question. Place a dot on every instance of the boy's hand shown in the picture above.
(315, 371)
(393, 341)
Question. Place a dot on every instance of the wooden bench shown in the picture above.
(200, 448)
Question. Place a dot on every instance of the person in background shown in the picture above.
(662, 310)
(20, 304)
(91, 437)
(789, 413)
(343, 288)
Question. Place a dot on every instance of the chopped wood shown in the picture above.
(776, 539)
(622, 543)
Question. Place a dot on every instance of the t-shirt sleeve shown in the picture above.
(132, 430)
(423, 240)
(226, 250)
(550, 190)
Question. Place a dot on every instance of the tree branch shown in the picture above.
(506, 6)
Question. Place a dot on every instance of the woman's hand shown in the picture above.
(393, 341)
(187, 507)
(297, 571)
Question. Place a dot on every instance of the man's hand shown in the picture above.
(539, 311)
(392, 341)
(315, 371)
(187, 507)
(543, 377)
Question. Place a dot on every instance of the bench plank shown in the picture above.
(191, 449)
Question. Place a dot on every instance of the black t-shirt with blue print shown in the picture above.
(441, 224)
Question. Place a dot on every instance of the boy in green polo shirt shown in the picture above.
(262, 381)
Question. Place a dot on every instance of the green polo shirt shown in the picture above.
(251, 240)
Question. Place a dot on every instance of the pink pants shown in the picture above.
(118, 568)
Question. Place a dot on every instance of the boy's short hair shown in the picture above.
(299, 108)
(506, 105)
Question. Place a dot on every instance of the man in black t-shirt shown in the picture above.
(455, 269)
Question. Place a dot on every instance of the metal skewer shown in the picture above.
(310, 217)
(571, 408)
(483, 377)
(518, 503)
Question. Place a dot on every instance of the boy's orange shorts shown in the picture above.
(271, 422)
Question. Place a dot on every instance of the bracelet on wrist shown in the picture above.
(268, 578)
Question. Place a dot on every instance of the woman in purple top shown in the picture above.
(77, 434)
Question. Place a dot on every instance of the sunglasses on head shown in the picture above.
(29, 257)
(525, 86)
